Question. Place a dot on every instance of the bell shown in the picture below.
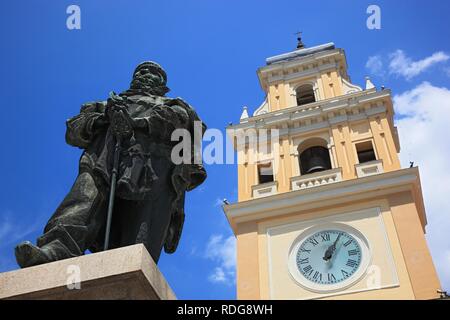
(315, 159)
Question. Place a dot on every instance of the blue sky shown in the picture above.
(210, 50)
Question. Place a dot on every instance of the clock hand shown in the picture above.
(329, 253)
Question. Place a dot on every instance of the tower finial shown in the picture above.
(300, 44)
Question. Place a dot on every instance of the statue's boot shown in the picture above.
(28, 255)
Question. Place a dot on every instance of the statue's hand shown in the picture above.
(121, 123)
(113, 104)
(117, 114)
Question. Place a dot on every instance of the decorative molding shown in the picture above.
(302, 66)
(307, 72)
(299, 53)
(262, 109)
(316, 179)
(293, 86)
(325, 195)
(352, 107)
(369, 168)
(244, 115)
(349, 87)
(264, 190)
(369, 84)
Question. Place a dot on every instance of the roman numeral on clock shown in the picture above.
(308, 270)
(353, 252)
(348, 243)
(344, 273)
(351, 263)
(325, 237)
(314, 242)
(331, 277)
(304, 250)
(304, 261)
(317, 276)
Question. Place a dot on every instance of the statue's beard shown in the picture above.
(148, 86)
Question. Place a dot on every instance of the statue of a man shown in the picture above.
(150, 187)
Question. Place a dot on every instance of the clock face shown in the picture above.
(328, 257)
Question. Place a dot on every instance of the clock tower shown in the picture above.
(325, 210)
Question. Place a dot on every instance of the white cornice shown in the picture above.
(301, 67)
(350, 107)
(301, 74)
(326, 195)
(311, 59)
(299, 53)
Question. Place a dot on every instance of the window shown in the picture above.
(265, 173)
(314, 159)
(365, 152)
(305, 94)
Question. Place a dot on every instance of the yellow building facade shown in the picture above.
(324, 209)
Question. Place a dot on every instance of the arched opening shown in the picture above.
(314, 156)
(305, 94)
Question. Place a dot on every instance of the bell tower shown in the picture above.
(325, 210)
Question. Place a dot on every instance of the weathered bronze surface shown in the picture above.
(149, 190)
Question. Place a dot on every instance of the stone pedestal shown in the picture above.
(124, 273)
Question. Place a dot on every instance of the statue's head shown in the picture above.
(150, 77)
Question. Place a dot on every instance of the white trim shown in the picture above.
(369, 168)
(244, 115)
(311, 64)
(326, 57)
(316, 179)
(350, 190)
(389, 253)
(292, 76)
(350, 87)
(308, 82)
(300, 53)
(264, 189)
(299, 140)
(330, 111)
(369, 84)
(263, 108)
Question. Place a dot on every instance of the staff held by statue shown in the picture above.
(122, 128)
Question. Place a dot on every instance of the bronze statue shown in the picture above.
(127, 138)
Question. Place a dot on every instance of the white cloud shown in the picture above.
(5, 229)
(404, 66)
(223, 252)
(218, 276)
(375, 65)
(13, 229)
(424, 130)
(218, 202)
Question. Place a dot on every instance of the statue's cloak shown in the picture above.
(136, 174)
